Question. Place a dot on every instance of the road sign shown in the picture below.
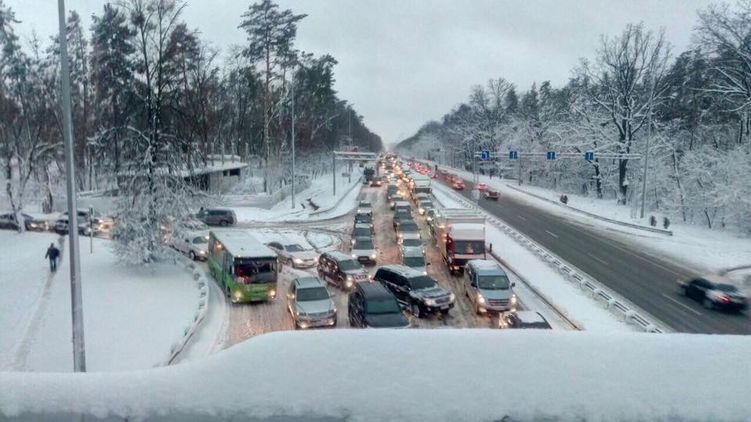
(486, 155)
(513, 155)
(551, 155)
(589, 156)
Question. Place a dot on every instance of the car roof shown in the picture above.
(412, 251)
(363, 238)
(718, 279)
(402, 270)
(337, 255)
(374, 290)
(362, 226)
(530, 317)
(486, 266)
(308, 282)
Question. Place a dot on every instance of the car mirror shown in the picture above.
(513, 284)
(473, 284)
(428, 264)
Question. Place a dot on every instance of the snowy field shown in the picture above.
(359, 375)
(131, 315)
(699, 248)
(320, 191)
(588, 314)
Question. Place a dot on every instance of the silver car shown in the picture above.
(310, 303)
(488, 287)
(413, 257)
(294, 254)
(193, 244)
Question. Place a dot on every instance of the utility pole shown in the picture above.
(646, 152)
(76, 301)
(292, 88)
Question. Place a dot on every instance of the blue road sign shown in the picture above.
(486, 155)
(513, 155)
(551, 155)
(589, 155)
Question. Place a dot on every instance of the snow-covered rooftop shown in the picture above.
(484, 375)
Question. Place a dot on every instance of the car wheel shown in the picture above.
(224, 223)
(708, 303)
(445, 312)
(416, 310)
(192, 256)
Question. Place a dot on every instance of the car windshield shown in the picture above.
(349, 265)
(421, 282)
(426, 204)
(361, 231)
(294, 248)
(414, 261)
(363, 244)
(493, 282)
(408, 226)
(412, 242)
(201, 240)
(726, 288)
(382, 306)
(311, 293)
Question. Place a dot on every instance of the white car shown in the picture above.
(414, 258)
(408, 243)
(294, 254)
(424, 206)
(364, 251)
(193, 244)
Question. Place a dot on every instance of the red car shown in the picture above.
(482, 187)
(491, 195)
(458, 185)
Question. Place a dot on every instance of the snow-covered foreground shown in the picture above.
(131, 315)
(572, 301)
(436, 375)
(699, 248)
(320, 192)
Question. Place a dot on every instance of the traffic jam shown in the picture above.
(404, 261)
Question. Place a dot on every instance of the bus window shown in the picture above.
(252, 270)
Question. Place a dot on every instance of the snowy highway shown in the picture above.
(244, 321)
(646, 280)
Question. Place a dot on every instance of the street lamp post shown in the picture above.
(76, 301)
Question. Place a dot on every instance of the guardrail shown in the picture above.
(613, 302)
(199, 314)
(589, 214)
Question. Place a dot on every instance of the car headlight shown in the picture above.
(297, 260)
(202, 252)
(350, 278)
(238, 294)
(431, 302)
(372, 256)
(452, 297)
(513, 299)
(354, 255)
(480, 299)
(272, 293)
(348, 284)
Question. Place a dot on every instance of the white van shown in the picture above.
(488, 287)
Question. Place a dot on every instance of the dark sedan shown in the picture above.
(715, 293)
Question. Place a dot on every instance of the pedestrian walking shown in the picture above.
(53, 253)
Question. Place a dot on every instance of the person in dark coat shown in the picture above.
(53, 253)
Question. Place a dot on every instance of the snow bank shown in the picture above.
(436, 375)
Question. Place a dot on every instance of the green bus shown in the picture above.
(244, 268)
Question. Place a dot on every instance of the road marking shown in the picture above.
(681, 304)
(551, 233)
(598, 259)
(522, 217)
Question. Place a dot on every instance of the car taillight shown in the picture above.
(724, 299)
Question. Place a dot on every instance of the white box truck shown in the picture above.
(460, 236)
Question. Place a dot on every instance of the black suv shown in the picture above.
(416, 290)
(341, 270)
(364, 218)
(372, 306)
(217, 217)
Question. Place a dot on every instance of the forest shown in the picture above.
(686, 114)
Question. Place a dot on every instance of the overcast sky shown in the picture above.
(404, 62)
